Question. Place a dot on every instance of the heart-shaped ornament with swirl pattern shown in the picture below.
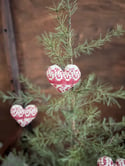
(23, 116)
(65, 79)
(107, 161)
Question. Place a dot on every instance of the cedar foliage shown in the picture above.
(72, 134)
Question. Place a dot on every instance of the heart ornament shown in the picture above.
(107, 161)
(23, 116)
(65, 79)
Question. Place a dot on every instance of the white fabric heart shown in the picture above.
(107, 161)
(23, 116)
(63, 80)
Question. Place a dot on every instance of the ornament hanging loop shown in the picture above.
(71, 60)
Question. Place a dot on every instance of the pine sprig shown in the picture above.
(88, 47)
(93, 138)
(32, 93)
(95, 91)
(59, 45)
(88, 92)
(12, 160)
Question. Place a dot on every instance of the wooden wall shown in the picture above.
(31, 18)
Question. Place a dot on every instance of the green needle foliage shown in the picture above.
(88, 47)
(32, 94)
(60, 45)
(72, 133)
(13, 160)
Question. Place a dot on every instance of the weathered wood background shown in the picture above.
(31, 18)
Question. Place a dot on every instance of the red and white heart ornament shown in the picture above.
(63, 80)
(107, 161)
(23, 116)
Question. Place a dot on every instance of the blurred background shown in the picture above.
(30, 19)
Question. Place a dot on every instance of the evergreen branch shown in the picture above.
(63, 103)
(59, 44)
(12, 160)
(89, 92)
(52, 45)
(33, 89)
(56, 45)
(32, 94)
(94, 137)
(8, 96)
(103, 94)
(22, 98)
(95, 91)
(58, 7)
(88, 48)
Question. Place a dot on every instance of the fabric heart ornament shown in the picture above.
(120, 162)
(65, 79)
(23, 116)
(107, 161)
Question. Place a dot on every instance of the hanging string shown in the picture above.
(70, 31)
